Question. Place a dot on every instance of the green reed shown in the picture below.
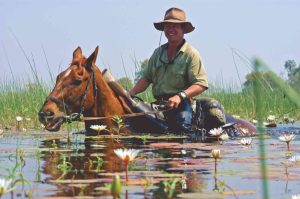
(261, 130)
(242, 102)
(24, 98)
(260, 94)
(20, 99)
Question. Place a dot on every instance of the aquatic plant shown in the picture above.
(216, 154)
(54, 145)
(287, 137)
(100, 162)
(216, 132)
(246, 141)
(98, 128)
(127, 155)
(169, 187)
(295, 196)
(19, 119)
(294, 159)
(13, 174)
(64, 167)
(253, 121)
(5, 186)
(116, 187)
(286, 119)
(271, 119)
(223, 137)
(119, 124)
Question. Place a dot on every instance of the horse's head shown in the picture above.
(74, 91)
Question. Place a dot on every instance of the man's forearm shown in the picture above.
(139, 87)
(194, 90)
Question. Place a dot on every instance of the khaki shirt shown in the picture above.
(186, 69)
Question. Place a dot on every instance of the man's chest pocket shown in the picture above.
(177, 79)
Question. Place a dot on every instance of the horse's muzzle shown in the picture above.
(51, 122)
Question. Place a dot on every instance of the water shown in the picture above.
(90, 164)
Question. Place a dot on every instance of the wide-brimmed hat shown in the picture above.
(175, 15)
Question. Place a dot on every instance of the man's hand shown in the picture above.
(173, 102)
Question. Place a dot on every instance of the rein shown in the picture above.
(122, 116)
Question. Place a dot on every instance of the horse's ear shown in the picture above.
(90, 62)
(77, 53)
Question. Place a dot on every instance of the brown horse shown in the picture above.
(82, 89)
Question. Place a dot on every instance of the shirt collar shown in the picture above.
(182, 47)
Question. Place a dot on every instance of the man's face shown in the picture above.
(173, 32)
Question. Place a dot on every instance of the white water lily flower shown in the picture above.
(1, 131)
(5, 186)
(127, 155)
(216, 131)
(295, 158)
(271, 118)
(19, 118)
(224, 137)
(98, 127)
(183, 151)
(286, 118)
(286, 137)
(246, 141)
(292, 120)
(254, 121)
(216, 153)
(296, 196)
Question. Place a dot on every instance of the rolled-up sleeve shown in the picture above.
(147, 71)
(196, 71)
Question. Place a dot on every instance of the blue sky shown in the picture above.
(124, 31)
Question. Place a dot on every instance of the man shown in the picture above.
(176, 71)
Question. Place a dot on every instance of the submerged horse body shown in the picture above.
(82, 89)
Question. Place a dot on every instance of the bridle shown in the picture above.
(82, 98)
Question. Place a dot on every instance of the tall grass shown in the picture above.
(21, 98)
(242, 103)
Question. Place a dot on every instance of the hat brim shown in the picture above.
(188, 27)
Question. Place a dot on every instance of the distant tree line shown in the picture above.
(293, 77)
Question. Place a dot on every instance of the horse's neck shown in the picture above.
(107, 102)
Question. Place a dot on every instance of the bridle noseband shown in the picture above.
(82, 97)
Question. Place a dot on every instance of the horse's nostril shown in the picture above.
(49, 113)
(41, 114)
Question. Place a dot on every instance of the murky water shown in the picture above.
(84, 167)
